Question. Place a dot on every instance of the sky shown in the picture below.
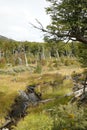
(15, 16)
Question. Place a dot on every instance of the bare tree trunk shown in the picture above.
(19, 61)
(57, 54)
(43, 54)
(26, 60)
(50, 55)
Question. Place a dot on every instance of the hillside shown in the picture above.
(3, 38)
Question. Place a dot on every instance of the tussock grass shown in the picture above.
(36, 121)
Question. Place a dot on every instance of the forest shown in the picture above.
(16, 53)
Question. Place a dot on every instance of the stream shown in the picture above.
(18, 109)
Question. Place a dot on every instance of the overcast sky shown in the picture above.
(15, 16)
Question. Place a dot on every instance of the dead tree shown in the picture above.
(85, 85)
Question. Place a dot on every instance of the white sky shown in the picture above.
(15, 16)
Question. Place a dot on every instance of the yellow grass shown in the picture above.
(66, 70)
(10, 84)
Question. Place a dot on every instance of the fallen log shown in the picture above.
(79, 92)
(6, 124)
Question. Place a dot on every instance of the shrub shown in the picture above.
(69, 117)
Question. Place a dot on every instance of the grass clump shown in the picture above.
(6, 101)
(38, 69)
(36, 121)
(68, 61)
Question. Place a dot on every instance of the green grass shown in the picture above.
(36, 121)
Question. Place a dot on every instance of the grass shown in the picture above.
(38, 117)
(35, 121)
(10, 84)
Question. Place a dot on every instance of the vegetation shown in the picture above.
(13, 53)
(43, 65)
(63, 117)
(69, 117)
(51, 67)
(36, 121)
(68, 20)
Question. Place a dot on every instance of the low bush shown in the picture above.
(69, 117)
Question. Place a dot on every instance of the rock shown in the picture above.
(23, 95)
(33, 97)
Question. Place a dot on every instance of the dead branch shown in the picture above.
(6, 124)
(47, 100)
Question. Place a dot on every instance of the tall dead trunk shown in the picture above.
(57, 54)
(26, 60)
(43, 54)
(50, 55)
(20, 61)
